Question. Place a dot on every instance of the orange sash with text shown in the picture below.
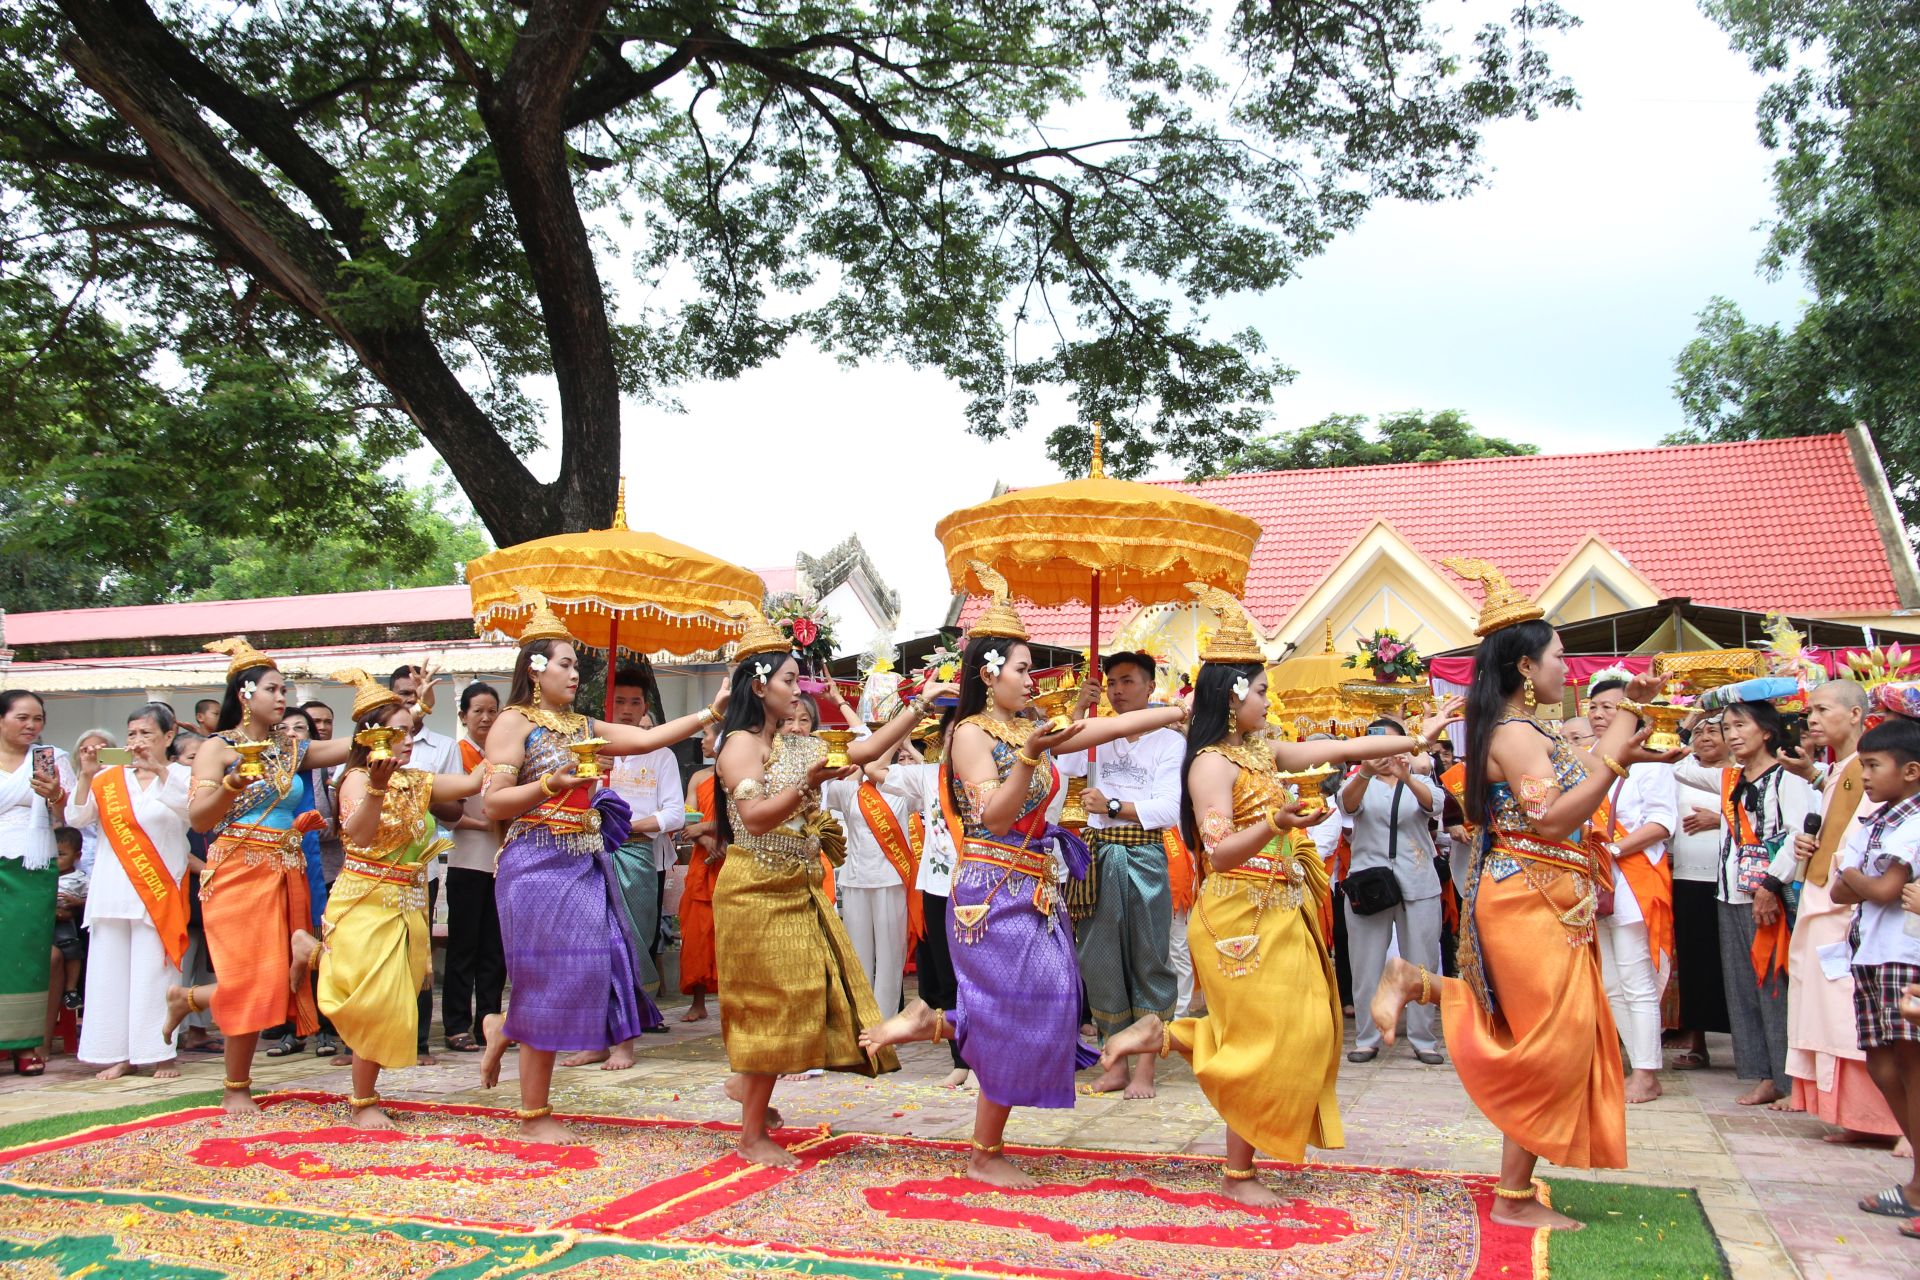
(160, 893)
(902, 854)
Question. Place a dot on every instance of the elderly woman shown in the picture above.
(34, 782)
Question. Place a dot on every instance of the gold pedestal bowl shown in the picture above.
(1666, 720)
(837, 741)
(1309, 787)
(251, 765)
(586, 757)
(1054, 705)
(378, 740)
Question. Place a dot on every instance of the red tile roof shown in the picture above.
(1769, 524)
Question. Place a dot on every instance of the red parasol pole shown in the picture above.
(613, 660)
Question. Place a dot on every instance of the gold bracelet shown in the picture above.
(227, 781)
(1618, 770)
(1032, 762)
(376, 791)
(1273, 822)
(546, 784)
(236, 1085)
(534, 1113)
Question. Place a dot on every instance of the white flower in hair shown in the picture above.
(991, 661)
(1240, 688)
(537, 663)
(761, 670)
(248, 689)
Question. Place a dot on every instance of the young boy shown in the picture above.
(69, 906)
(1873, 868)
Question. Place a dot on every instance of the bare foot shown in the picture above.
(426, 1060)
(1903, 1150)
(1533, 1215)
(764, 1150)
(1143, 1036)
(341, 1059)
(176, 1013)
(239, 1102)
(1784, 1104)
(797, 1077)
(1642, 1086)
(1089, 1032)
(1141, 1085)
(1251, 1192)
(997, 1171)
(621, 1059)
(547, 1129)
(958, 1078)
(918, 1021)
(114, 1072)
(584, 1058)
(492, 1029)
(372, 1118)
(305, 948)
(697, 1011)
(1762, 1093)
(1112, 1080)
(168, 1070)
(1399, 983)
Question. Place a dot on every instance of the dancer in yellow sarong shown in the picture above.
(376, 937)
(1267, 1051)
(1528, 1022)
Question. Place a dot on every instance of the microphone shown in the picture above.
(1810, 827)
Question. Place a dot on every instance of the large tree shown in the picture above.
(1842, 109)
(404, 212)
(1347, 440)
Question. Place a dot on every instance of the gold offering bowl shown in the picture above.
(836, 740)
(250, 753)
(1704, 669)
(1073, 813)
(1308, 786)
(1054, 705)
(1665, 719)
(586, 757)
(378, 740)
(1376, 699)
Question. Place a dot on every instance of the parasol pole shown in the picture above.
(1094, 472)
(613, 630)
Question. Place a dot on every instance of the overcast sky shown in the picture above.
(1548, 307)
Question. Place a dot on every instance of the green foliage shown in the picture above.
(384, 218)
(1345, 440)
(1842, 110)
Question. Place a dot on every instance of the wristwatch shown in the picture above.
(1113, 808)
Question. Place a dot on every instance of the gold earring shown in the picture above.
(1531, 702)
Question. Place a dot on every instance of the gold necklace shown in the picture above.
(563, 723)
(1012, 732)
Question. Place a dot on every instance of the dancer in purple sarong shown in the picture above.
(571, 956)
(1017, 1015)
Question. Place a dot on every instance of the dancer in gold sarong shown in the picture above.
(792, 993)
(376, 937)
(1267, 1051)
(1528, 1023)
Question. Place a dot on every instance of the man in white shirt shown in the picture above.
(650, 784)
(1636, 941)
(1132, 799)
(919, 784)
(877, 817)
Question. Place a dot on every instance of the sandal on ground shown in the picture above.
(1363, 1055)
(1691, 1060)
(29, 1063)
(1430, 1057)
(288, 1046)
(1891, 1203)
(463, 1042)
(1911, 1230)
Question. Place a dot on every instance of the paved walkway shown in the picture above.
(1780, 1199)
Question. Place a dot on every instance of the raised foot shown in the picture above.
(998, 1171)
(765, 1151)
(1251, 1192)
(958, 1078)
(736, 1089)
(1143, 1036)
(493, 1028)
(372, 1118)
(1642, 1086)
(306, 948)
(585, 1058)
(1399, 983)
(115, 1071)
(176, 1012)
(918, 1021)
(1532, 1215)
(238, 1102)
(547, 1129)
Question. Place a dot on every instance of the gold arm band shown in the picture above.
(503, 768)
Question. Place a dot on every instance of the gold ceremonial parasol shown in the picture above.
(616, 589)
(1073, 541)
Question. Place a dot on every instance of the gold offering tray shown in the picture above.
(1704, 669)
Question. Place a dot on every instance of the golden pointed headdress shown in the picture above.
(760, 635)
(369, 694)
(999, 619)
(1232, 642)
(241, 656)
(1502, 606)
(543, 624)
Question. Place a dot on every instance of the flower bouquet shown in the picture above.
(1390, 657)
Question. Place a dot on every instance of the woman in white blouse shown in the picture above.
(139, 870)
(34, 781)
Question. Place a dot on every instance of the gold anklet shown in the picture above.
(361, 1104)
(986, 1150)
(191, 1006)
(1531, 1193)
(1426, 984)
(942, 1029)
(235, 1085)
(1166, 1039)
(534, 1113)
(1240, 1175)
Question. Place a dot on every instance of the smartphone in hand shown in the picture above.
(43, 761)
